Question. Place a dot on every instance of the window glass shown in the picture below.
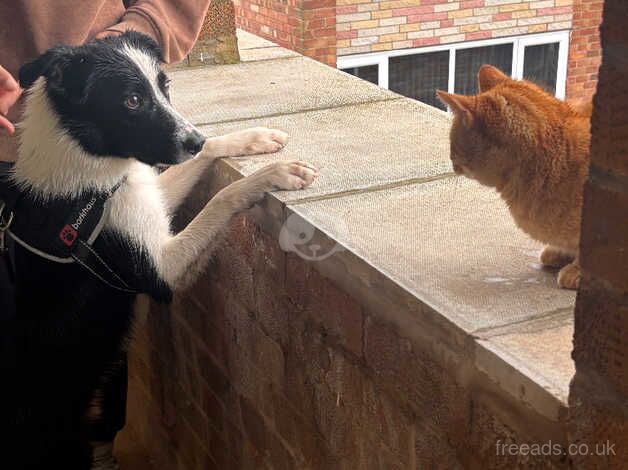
(540, 64)
(418, 76)
(469, 61)
(367, 72)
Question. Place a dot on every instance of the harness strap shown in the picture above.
(8, 200)
(89, 259)
(72, 244)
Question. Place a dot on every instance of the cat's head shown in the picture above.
(493, 130)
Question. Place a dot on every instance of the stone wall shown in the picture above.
(599, 391)
(305, 26)
(217, 42)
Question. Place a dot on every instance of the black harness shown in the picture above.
(69, 238)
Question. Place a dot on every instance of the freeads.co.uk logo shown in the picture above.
(69, 232)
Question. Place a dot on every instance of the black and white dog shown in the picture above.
(97, 120)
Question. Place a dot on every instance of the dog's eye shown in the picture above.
(133, 102)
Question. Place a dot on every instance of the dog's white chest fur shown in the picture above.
(137, 211)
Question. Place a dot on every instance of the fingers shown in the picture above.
(6, 125)
(7, 82)
(9, 93)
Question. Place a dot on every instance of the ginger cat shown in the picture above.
(534, 150)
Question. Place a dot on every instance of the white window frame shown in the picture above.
(519, 44)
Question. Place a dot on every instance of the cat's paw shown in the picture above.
(553, 257)
(569, 276)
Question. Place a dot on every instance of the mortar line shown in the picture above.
(510, 328)
(302, 111)
(371, 189)
(265, 60)
(175, 69)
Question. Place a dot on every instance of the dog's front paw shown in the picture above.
(569, 276)
(290, 175)
(262, 140)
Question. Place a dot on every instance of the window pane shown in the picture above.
(469, 61)
(540, 64)
(367, 72)
(419, 76)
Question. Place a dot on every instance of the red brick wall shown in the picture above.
(381, 25)
(321, 29)
(306, 26)
(584, 49)
(599, 391)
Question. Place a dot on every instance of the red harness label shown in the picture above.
(68, 235)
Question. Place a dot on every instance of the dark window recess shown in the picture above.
(469, 61)
(419, 76)
(368, 72)
(540, 65)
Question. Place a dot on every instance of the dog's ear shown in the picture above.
(65, 69)
(48, 64)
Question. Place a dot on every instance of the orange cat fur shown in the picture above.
(534, 150)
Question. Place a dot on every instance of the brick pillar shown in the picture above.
(584, 49)
(305, 26)
(217, 42)
(319, 30)
(599, 391)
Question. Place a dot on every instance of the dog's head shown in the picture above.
(112, 97)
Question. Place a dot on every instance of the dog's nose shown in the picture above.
(193, 142)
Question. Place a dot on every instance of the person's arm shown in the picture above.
(10, 91)
(174, 24)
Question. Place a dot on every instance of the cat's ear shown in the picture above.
(489, 76)
(460, 105)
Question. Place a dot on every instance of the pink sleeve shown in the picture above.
(174, 24)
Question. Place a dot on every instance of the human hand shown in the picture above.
(10, 91)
